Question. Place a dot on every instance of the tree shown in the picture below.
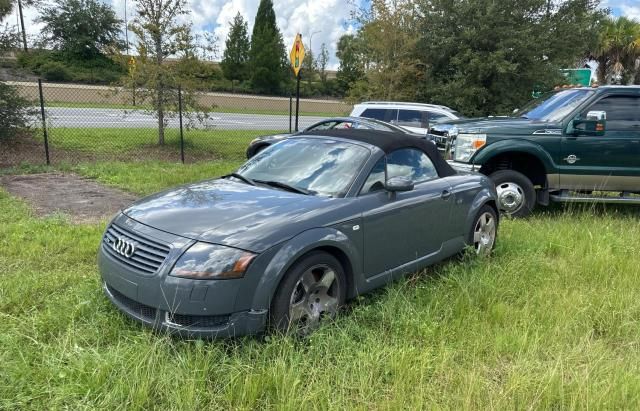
(14, 109)
(492, 67)
(390, 34)
(160, 34)
(235, 58)
(323, 60)
(309, 67)
(81, 28)
(618, 50)
(6, 6)
(267, 53)
(351, 68)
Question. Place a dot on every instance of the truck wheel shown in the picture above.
(516, 195)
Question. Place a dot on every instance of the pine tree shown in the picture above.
(267, 54)
(235, 59)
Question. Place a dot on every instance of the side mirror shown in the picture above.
(595, 124)
(399, 183)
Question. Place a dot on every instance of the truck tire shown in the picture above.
(516, 195)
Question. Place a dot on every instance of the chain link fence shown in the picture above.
(74, 124)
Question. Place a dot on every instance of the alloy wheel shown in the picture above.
(484, 234)
(314, 297)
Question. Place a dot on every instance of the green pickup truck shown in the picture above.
(572, 145)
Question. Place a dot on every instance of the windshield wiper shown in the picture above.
(241, 177)
(285, 186)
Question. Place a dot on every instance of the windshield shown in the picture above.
(554, 107)
(320, 166)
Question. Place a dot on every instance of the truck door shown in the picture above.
(610, 162)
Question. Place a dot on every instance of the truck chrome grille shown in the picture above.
(145, 256)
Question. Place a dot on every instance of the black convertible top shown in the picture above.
(390, 141)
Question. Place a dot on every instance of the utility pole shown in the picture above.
(24, 34)
(126, 27)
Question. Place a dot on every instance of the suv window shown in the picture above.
(384, 114)
(623, 112)
(412, 163)
(413, 118)
(438, 117)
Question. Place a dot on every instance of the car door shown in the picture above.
(609, 162)
(402, 227)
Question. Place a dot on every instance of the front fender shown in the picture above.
(515, 146)
(291, 251)
(483, 197)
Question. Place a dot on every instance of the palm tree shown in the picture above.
(618, 51)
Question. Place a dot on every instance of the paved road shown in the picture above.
(98, 117)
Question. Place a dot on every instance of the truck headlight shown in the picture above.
(467, 145)
(212, 262)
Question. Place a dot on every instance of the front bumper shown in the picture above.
(190, 326)
(185, 307)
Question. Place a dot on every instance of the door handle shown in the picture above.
(446, 194)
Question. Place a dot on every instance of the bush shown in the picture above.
(55, 71)
(56, 66)
(14, 111)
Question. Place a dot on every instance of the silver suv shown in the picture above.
(415, 117)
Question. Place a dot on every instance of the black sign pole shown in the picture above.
(297, 100)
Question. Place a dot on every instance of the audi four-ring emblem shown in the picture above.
(124, 246)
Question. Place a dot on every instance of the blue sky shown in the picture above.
(320, 21)
(628, 8)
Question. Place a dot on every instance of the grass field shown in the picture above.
(142, 142)
(550, 321)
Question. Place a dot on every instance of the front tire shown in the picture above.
(312, 290)
(516, 194)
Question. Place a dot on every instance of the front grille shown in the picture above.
(440, 140)
(148, 255)
(198, 321)
(134, 307)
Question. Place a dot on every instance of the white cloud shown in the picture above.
(328, 19)
(632, 12)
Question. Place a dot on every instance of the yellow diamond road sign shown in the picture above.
(297, 54)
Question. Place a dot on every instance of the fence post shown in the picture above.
(181, 131)
(44, 122)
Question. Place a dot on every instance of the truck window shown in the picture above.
(623, 112)
(384, 114)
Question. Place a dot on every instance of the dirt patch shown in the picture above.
(85, 201)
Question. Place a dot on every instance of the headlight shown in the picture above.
(467, 145)
(212, 262)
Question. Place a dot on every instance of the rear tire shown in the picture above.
(313, 290)
(483, 231)
(516, 194)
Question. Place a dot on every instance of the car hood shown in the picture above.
(500, 125)
(235, 214)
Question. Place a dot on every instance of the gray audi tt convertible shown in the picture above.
(299, 229)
